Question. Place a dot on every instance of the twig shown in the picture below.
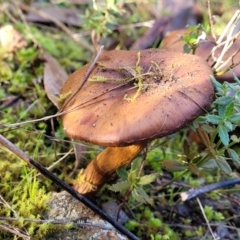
(58, 161)
(205, 217)
(14, 231)
(84, 78)
(14, 149)
(227, 61)
(60, 112)
(228, 29)
(5, 203)
(230, 23)
(192, 193)
(210, 21)
(75, 222)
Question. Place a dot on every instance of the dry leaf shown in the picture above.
(54, 76)
(79, 150)
(69, 16)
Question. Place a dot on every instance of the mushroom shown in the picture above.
(173, 41)
(130, 98)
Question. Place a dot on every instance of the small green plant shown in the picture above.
(222, 120)
(133, 182)
(215, 131)
(192, 38)
(213, 215)
(101, 18)
(150, 225)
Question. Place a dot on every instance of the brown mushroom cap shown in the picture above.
(176, 92)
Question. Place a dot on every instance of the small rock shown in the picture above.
(89, 225)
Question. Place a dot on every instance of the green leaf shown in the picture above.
(235, 118)
(186, 48)
(235, 77)
(229, 110)
(135, 167)
(122, 172)
(228, 125)
(173, 165)
(192, 40)
(235, 139)
(237, 96)
(144, 195)
(224, 166)
(216, 84)
(132, 176)
(186, 148)
(221, 110)
(214, 119)
(207, 128)
(225, 100)
(141, 196)
(147, 179)
(223, 134)
(210, 165)
(233, 155)
(137, 196)
(194, 169)
(120, 186)
(136, 164)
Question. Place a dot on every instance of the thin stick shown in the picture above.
(76, 222)
(228, 29)
(84, 78)
(205, 217)
(14, 231)
(210, 21)
(192, 193)
(14, 149)
(61, 112)
(230, 23)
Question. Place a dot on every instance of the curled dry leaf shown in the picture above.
(54, 77)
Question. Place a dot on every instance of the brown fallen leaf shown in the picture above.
(162, 25)
(53, 77)
(152, 35)
(68, 16)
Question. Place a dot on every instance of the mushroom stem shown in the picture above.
(91, 179)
